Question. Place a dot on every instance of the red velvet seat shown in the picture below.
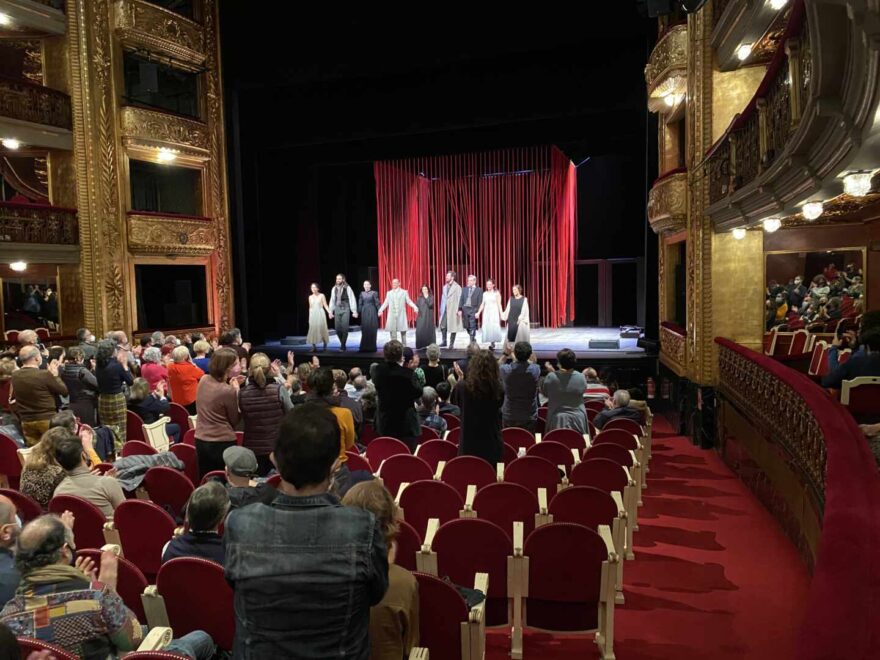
(624, 424)
(103, 468)
(403, 467)
(189, 437)
(10, 465)
(28, 645)
(540, 425)
(600, 473)
(27, 507)
(154, 655)
(428, 434)
(517, 437)
(555, 452)
(542, 413)
(168, 488)
(429, 499)
(213, 475)
(442, 610)
(598, 406)
(356, 462)
(274, 480)
(130, 583)
(612, 452)
(533, 472)
(144, 529)
(591, 414)
(88, 524)
(619, 437)
(134, 426)
(409, 542)
(239, 438)
(368, 434)
(584, 505)
(434, 451)
(568, 437)
(383, 448)
(208, 607)
(190, 458)
(454, 436)
(464, 471)
(468, 546)
(5, 386)
(178, 415)
(452, 421)
(137, 448)
(861, 396)
(508, 454)
(504, 503)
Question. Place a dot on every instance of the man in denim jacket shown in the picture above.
(305, 569)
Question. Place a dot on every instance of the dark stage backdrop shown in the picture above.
(510, 215)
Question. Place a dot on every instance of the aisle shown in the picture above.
(714, 576)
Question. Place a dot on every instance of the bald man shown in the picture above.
(9, 530)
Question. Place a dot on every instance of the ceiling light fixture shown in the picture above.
(778, 4)
(739, 233)
(18, 266)
(10, 143)
(772, 224)
(5, 19)
(812, 210)
(166, 155)
(857, 184)
(743, 52)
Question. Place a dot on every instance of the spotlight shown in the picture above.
(739, 233)
(669, 99)
(10, 143)
(778, 4)
(4, 19)
(772, 224)
(166, 155)
(857, 184)
(18, 266)
(812, 210)
(743, 52)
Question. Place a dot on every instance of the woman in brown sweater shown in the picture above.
(217, 409)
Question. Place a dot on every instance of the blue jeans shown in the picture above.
(197, 645)
(173, 432)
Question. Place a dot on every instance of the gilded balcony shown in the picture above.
(666, 71)
(34, 114)
(667, 202)
(673, 347)
(147, 130)
(31, 228)
(155, 233)
(141, 25)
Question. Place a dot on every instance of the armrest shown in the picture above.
(542, 501)
(441, 465)
(518, 534)
(157, 639)
(587, 441)
(499, 471)
(111, 537)
(574, 453)
(433, 526)
(563, 469)
(400, 492)
(481, 582)
(469, 497)
(112, 547)
(629, 477)
(537, 437)
(419, 653)
(154, 607)
(618, 501)
(605, 533)
(634, 459)
(178, 531)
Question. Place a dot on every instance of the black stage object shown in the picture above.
(608, 344)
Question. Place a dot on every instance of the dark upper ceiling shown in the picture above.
(349, 85)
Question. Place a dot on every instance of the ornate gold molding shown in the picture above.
(666, 71)
(673, 350)
(34, 103)
(148, 234)
(140, 24)
(21, 223)
(147, 128)
(667, 203)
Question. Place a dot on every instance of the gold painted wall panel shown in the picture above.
(70, 290)
(142, 24)
(738, 287)
(152, 235)
(149, 126)
(731, 93)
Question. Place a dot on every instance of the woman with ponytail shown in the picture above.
(263, 401)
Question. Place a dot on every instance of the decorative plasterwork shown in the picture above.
(667, 203)
(140, 24)
(150, 129)
(673, 350)
(170, 235)
(38, 224)
(666, 71)
(34, 103)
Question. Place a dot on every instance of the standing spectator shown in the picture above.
(205, 511)
(82, 386)
(617, 408)
(520, 380)
(397, 388)
(263, 402)
(33, 391)
(564, 389)
(232, 339)
(158, 339)
(429, 411)
(152, 369)
(305, 569)
(9, 530)
(444, 391)
(322, 388)
(480, 396)
(183, 379)
(86, 343)
(434, 371)
(28, 339)
(201, 348)
(112, 373)
(345, 401)
(217, 407)
(150, 405)
(102, 491)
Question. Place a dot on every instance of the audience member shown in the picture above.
(617, 408)
(33, 391)
(158, 339)
(201, 349)
(480, 396)
(102, 491)
(9, 531)
(82, 386)
(232, 339)
(151, 405)
(205, 511)
(262, 401)
(394, 622)
(217, 406)
(520, 379)
(305, 569)
(429, 411)
(411, 361)
(357, 410)
(241, 468)
(564, 389)
(297, 393)
(113, 374)
(183, 378)
(42, 474)
(865, 364)
(86, 343)
(30, 339)
(152, 369)
(434, 371)
(353, 392)
(595, 390)
(444, 391)
(397, 388)
(322, 389)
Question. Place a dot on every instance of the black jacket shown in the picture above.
(476, 299)
(397, 389)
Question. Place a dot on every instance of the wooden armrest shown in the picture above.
(574, 453)
(629, 477)
(587, 442)
(379, 471)
(518, 534)
(634, 459)
(400, 492)
(112, 547)
(605, 533)
(499, 471)
(441, 465)
(562, 469)
(419, 653)
(178, 531)
(537, 437)
(433, 526)
(111, 537)
(157, 639)
(154, 607)
(469, 497)
(618, 500)
(481, 583)
(108, 527)
(542, 501)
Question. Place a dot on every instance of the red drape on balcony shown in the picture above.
(510, 215)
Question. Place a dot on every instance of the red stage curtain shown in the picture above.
(510, 215)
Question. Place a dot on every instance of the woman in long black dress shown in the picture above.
(368, 309)
(480, 396)
(426, 331)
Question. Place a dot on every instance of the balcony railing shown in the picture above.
(667, 202)
(666, 71)
(26, 101)
(673, 346)
(33, 223)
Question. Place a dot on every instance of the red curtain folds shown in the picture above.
(510, 215)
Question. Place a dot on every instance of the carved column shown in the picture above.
(795, 78)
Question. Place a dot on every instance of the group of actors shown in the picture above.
(461, 308)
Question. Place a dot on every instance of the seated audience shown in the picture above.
(201, 349)
(85, 433)
(62, 601)
(564, 388)
(638, 402)
(297, 393)
(305, 569)
(7, 368)
(102, 491)
(217, 406)
(520, 379)
(33, 393)
(357, 410)
(596, 390)
(397, 388)
(434, 371)
(323, 390)
(241, 468)
(152, 405)
(42, 473)
(864, 364)
(263, 401)
(152, 369)
(394, 622)
(205, 511)
(480, 396)
(444, 391)
(9, 531)
(429, 411)
(359, 386)
(353, 392)
(82, 386)
(617, 407)
(183, 379)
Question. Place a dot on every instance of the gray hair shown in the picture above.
(157, 337)
(621, 399)
(27, 337)
(433, 352)
(152, 354)
(360, 382)
(180, 354)
(429, 398)
(28, 353)
(207, 506)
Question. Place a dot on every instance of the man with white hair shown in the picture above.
(617, 407)
(396, 301)
(33, 393)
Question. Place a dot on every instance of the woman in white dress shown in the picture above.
(318, 311)
(517, 316)
(491, 311)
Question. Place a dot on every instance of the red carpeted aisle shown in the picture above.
(714, 576)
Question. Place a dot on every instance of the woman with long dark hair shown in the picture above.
(112, 374)
(426, 332)
(480, 396)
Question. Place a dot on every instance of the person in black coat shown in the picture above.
(469, 303)
(397, 389)
(152, 405)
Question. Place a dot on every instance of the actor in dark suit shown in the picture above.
(397, 389)
(469, 303)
